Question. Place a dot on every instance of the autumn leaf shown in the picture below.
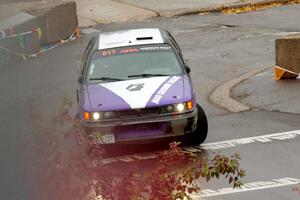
(256, 7)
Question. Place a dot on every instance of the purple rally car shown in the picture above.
(135, 87)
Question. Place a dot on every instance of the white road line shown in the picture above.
(259, 185)
(262, 139)
(214, 146)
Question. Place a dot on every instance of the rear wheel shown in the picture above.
(200, 134)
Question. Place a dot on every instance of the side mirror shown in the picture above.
(187, 69)
(80, 78)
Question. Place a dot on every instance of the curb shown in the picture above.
(220, 8)
(179, 12)
(221, 96)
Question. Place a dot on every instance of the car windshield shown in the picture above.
(133, 62)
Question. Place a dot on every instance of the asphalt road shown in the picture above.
(282, 96)
(218, 48)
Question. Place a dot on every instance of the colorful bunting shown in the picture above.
(77, 32)
(26, 40)
(39, 33)
(281, 73)
(2, 34)
(9, 30)
(23, 40)
(24, 57)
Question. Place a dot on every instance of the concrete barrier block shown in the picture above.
(288, 53)
(58, 21)
(12, 47)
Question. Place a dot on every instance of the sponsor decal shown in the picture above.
(162, 91)
(155, 48)
(124, 51)
(118, 51)
(108, 52)
(111, 52)
(129, 50)
(258, 185)
(135, 87)
(136, 93)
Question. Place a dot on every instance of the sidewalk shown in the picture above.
(92, 12)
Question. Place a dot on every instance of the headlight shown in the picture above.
(96, 116)
(180, 107)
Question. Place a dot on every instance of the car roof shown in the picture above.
(131, 37)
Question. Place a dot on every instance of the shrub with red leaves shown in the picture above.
(174, 176)
(167, 183)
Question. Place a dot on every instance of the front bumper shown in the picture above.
(142, 129)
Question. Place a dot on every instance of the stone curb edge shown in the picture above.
(218, 8)
(221, 96)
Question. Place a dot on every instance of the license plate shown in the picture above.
(108, 139)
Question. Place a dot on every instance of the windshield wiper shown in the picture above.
(146, 75)
(106, 79)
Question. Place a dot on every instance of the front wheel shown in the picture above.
(200, 134)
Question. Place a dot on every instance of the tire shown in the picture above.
(200, 134)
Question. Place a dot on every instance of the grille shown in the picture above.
(127, 113)
(149, 111)
(138, 112)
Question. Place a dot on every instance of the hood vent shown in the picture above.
(144, 38)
